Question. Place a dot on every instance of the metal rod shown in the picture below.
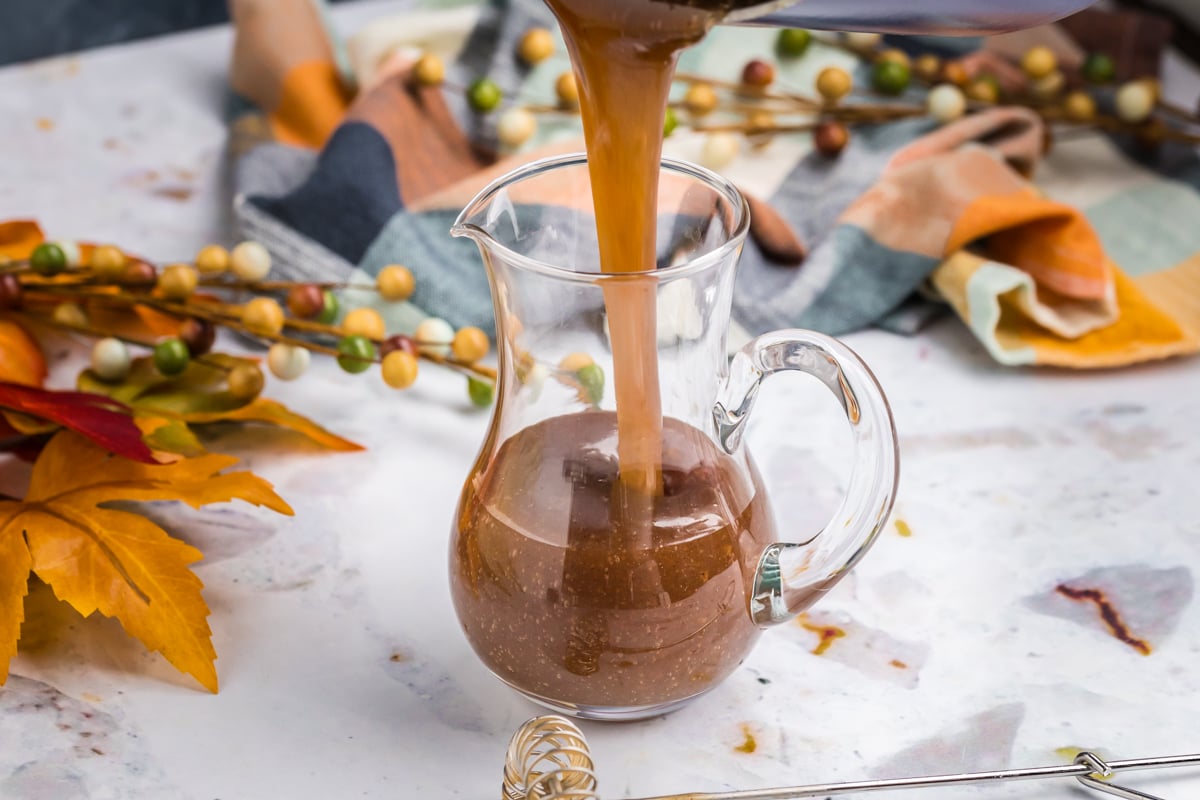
(1114, 790)
(1077, 770)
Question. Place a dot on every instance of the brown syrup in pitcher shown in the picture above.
(557, 609)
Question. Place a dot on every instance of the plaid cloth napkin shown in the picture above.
(344, 169)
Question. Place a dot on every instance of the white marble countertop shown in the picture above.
(343, 671)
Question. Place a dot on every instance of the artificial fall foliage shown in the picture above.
(115, 561)
(30, 411)
(133, 430)
(20, 357)
(126, 441)
(166, 408)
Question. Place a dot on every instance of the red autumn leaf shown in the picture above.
(105, 421)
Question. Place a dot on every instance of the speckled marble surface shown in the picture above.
(969, 638)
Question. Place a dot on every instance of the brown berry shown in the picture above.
(834, 83)
(1080, 107)
(761, 125)
(983, 90)
(245, 381)
(399, 369)
(1038, 62)
(108, 262)
(365, 322)
(429, 71)
(70, 314)
(198, 335)
(758, 74)
(830, 138)
(212, 259)
(306, 300)
(1049, 86)
(470, 345)
(567, 90)
(395, 283)
(263, 315)
(1151, 134)
(700, 99)
(955, 73)
(398, 342)
(178, 281)
(535, 46)
(10, 291)
(928, 67)
(139, 274)
(895, 54)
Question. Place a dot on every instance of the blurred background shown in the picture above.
(38, 28)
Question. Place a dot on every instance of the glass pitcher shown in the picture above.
(587, 594)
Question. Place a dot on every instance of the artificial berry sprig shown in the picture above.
(755, 110)
(56, 285)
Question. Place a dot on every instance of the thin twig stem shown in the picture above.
(229, 316)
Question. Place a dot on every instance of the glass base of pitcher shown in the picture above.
(607, 713)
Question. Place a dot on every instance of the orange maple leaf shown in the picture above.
(18, 237)
(21, 359)
(116, 561)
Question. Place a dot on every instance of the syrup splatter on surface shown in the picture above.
(749, 743)
(1137, 605)
(1108, 613)
(827, 634)
(873, 652)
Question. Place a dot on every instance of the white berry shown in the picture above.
(946, 102)
(110, 359)
(434, 336)
(863, 41)
(1135, 102)
(70, 251)
(535, 381)
(287, 362)
(515, 127)
(719, 150)
(250, 261)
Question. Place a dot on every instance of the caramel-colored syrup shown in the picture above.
(604, 559)
(624, 53)
(569, 598)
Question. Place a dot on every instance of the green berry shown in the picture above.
(355, 354)
(480, 392)
(484, 95)
(171, 356)
(890, 77)
(1099, 68)
(793, 42)
(330, 309)
(670, 123)
(48, 259)
(591, 378)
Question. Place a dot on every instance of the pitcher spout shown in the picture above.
(463, 229)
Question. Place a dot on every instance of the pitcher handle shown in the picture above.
(791, 576)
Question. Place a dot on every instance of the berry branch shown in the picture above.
(58, 287)
(755, 109)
